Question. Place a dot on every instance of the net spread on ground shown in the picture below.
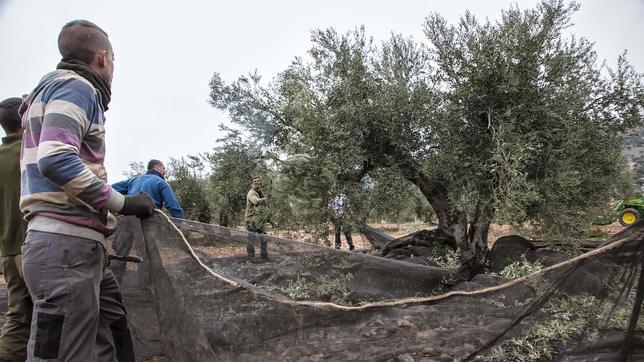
(197, 296)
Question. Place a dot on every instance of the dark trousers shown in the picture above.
(252, 238)
(339, 225)
(15, 332)
(78, 314)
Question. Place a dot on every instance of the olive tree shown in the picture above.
(510, 119)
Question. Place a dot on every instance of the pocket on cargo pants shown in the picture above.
(49, 330)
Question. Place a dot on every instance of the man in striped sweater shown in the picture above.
(77, 314)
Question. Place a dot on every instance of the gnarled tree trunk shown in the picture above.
(470, 237)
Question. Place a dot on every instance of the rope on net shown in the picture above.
(607, 247)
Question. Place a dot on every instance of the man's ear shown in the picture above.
(101, 58)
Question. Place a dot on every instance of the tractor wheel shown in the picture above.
(628, 217)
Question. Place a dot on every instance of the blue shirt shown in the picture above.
(153, 184)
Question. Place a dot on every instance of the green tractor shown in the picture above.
(628, 211)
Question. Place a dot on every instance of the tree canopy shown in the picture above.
(510, 119)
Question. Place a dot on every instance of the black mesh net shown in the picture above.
(197, 296)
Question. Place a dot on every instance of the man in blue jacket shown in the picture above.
(154, 184)
(129, 232)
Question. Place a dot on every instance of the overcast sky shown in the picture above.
(167, 51)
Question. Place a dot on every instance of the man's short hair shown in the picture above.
(9, 118)
(255, 178)
(153, 163)
(81, 40)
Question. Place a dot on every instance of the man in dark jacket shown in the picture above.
(154, 184)
(15, 332)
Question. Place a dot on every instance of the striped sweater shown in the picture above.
(64, 186)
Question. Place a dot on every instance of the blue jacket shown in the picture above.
(153, 184)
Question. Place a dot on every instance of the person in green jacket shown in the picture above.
(256, 217)
(15, 332)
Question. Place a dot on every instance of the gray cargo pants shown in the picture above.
(78, 314)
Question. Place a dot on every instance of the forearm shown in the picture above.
(121, 187)
(171, 202)
(67, 171)
(256, 200)
(176, 212)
